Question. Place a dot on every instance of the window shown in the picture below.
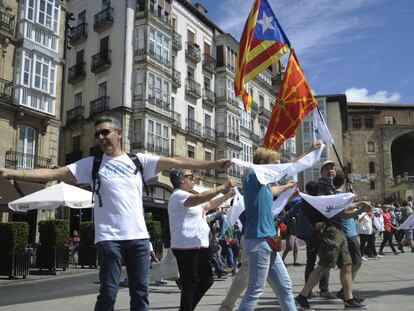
(102, 89)
(371, 167)
(139, 40)
(190, 151)
(44, 75)
(370, 147)
(220, 56)
(247, 152)
(207, 120)
(356, 122)
(48, 14)
(138, 85)
(158, 137)
(261, 101)
(372, 185)
(158, 45)
(230, 90)
(389, 120)
(78, 99)
(369, 122)
(26, 146)
(246, 119)
(82, 17)
(137, 131)
(76, 143)
(158, 89)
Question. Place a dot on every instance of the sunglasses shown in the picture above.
(104, 133)
(189, 176)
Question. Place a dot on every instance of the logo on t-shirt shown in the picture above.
(110, 170)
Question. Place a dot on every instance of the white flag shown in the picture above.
(329, 205)
(320, 129)
(378, 222)
(272, 173)
(408, 223)
(236, 209)
(280, 203)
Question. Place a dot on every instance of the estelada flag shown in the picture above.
(262, 43)
(293, 102)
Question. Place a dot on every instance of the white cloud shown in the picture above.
(361, 95)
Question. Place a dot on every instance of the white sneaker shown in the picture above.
(365, 258)
(380, 256)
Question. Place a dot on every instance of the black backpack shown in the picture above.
(97, 160)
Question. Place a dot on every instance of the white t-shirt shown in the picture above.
(121, 216)
(188, 225)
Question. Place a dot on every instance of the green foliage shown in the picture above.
(154, 230)
(14, 236)
(53, 232)
(87, 233)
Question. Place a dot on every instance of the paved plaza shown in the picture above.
(387, 283)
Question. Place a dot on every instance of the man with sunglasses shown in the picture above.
(120, 230)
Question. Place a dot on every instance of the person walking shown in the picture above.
(387, 233)
(263, 260)
(120, 230)
(190, 234)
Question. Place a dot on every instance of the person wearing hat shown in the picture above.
(333, 243)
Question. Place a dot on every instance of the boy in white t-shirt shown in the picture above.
(120, 230)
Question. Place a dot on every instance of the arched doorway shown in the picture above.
(402, 152)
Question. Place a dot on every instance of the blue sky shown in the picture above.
(363, 48)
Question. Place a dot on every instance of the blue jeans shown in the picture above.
(135, 254)
(263, 262)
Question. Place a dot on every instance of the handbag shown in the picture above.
(275, 243)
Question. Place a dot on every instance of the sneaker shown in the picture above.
(353, 304)
(380, 256)
(365, 258)
(381, 253)
(302, 303)
(396, 253)
(328, 295)
(357, 298)
(161, 282)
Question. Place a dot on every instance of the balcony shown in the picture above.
(17, 160)
(176, 123)
(101, 61)
(176, 78)
(192, 52)
(193, 127)
(103, 20)
(98, 105)
(6, 88)
(159, 16)
(255, 107)
(230, 103)
(77, 73)
(192, 88)
(73, 156)
(78, 34)
(255, 139)
(7, 23)
(158, 149)
(209, 63)
(209, 134)
(266, 113)
(209, 97)
(177, 41)
(74, 115)
(159, 58)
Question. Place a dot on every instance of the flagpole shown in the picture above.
(348, 181)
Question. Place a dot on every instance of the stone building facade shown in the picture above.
(378, 146)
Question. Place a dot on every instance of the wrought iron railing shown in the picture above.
(16, 160)
(98, 105)
(103, 18)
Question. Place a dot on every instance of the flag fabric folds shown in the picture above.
(408, 223)
(294, 101)
(320, 129)
(329, 205)
(262, 43)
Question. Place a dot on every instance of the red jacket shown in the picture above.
(387, 221)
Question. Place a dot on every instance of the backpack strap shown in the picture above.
(139, 168)
(96, 181)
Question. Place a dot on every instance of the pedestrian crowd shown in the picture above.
(199, 236)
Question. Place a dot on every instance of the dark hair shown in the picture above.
(312, 188)
(339, 179)
(175, 177)
(114, 122)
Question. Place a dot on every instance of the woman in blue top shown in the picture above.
(263, 261)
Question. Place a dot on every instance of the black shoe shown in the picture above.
(327, 295)
(303, 303)
(357, 298)
(353, 304)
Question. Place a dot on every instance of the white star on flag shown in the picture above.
(266, 22)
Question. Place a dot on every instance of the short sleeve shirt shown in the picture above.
(121, 216)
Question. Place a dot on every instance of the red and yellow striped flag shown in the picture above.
(293, 102)
(262, 43)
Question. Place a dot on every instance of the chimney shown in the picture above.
(201, 8)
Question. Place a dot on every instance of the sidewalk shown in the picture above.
(387, 283)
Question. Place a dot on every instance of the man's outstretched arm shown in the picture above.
(39, 175)
(192, 164)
